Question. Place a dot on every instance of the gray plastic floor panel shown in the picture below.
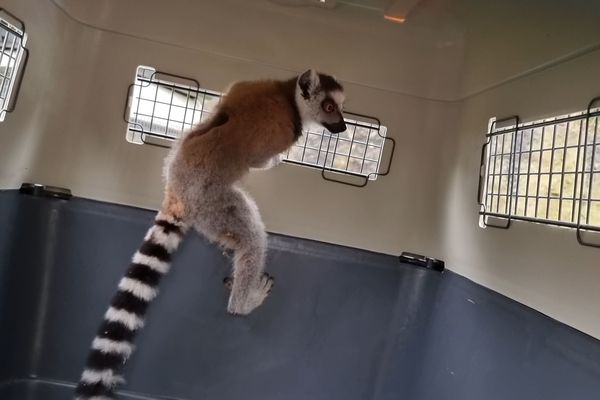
(340, 324)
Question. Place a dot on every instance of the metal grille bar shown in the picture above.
(161, 107)
(544, 171)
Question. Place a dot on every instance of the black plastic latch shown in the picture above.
(39, 190)
(422, 261)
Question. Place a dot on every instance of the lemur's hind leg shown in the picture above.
(235, 224)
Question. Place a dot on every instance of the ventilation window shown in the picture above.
(13, 57)
(161, 107)
(545, 171)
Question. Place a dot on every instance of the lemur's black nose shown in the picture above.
(337, 127)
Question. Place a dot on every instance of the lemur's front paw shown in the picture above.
(256, 296)
(278, 159)
(227, 253)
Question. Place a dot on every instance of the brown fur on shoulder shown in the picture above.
(254, 122)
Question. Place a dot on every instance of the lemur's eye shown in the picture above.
(328, 107)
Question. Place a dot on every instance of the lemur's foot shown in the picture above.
(255, 298)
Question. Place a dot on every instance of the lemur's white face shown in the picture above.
(320, 100)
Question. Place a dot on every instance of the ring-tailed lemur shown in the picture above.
(253, 124)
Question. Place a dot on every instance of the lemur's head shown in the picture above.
(320, 99)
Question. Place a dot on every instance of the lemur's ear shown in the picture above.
(308, 82)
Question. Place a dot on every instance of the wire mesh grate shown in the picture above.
(161, 107)
(545, 171)
(164, 106)
(357, 150)
(12, 53)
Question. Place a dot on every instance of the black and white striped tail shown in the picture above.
(113, 343)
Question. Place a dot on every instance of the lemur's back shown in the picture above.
(253, 122)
